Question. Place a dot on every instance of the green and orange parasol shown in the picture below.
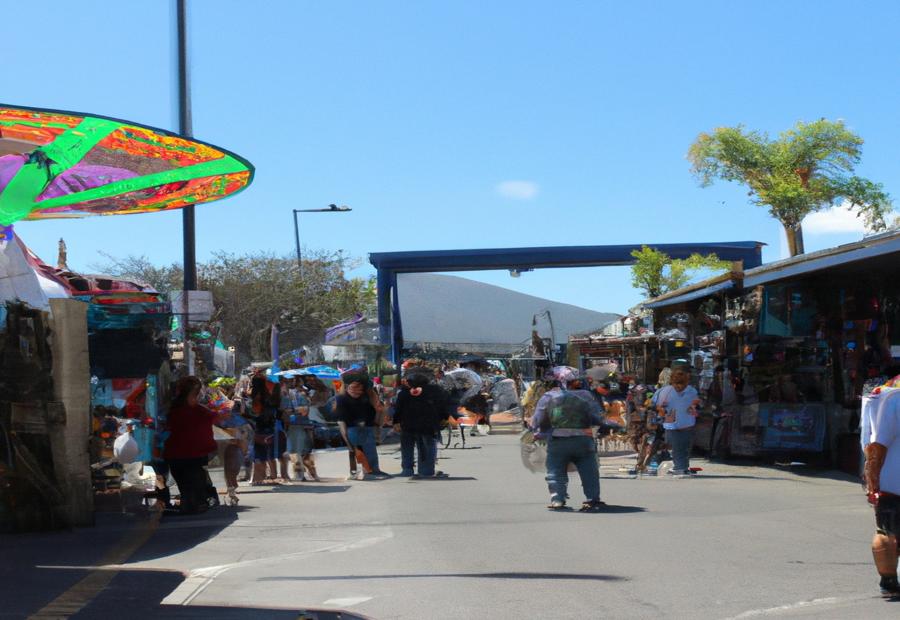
(56, 164)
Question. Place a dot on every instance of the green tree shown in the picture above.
(806, 169)
(253, 291)
(656, 273)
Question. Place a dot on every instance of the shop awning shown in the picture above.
(872, 247)
(691, 295)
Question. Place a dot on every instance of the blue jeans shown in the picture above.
(425, 445)
(680, 441)
(580, 450)
(299, 440)
(363, 437)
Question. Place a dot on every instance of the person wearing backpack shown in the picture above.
(564, 417)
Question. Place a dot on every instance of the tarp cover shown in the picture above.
(18, 281)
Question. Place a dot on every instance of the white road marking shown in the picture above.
(201, 578)
(782, 609)
(349, 601)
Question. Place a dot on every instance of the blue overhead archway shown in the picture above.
(390, 264)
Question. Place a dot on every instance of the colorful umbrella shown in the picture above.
(57, 164)
(322, 372)
(563, 374)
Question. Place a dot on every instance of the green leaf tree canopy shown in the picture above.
(655, 273)
(806, 169)
(253, 291)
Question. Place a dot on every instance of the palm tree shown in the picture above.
(806, 169)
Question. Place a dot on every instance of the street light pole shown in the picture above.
(185, 128)
(332, 208)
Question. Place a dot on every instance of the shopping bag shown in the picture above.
(533, 452)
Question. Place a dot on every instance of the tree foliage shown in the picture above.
(656, 273)
(806, 169)
(253, 291)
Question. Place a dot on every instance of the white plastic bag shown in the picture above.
(125, 448)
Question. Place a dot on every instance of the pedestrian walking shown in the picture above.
(295, 408)
(264, 412)
(677, 405)
(189, 444)
(420, 409)
(357, 410)
(882, 474)
(564, 417)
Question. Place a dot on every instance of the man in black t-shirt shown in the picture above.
(356, 409)
(420, 409)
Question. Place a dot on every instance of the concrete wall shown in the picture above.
(70, 430)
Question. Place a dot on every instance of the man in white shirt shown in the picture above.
(882, 473)
(677, 404)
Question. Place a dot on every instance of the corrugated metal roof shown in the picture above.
(870, 247)
(691, 295)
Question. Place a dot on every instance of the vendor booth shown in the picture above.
(784, 353)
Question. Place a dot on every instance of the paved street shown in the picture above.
(739, 542)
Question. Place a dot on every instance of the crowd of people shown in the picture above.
(274, 424)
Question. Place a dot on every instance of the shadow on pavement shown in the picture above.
(40, 567)
(137, 595)
(739, 477)
(620, 509)
(310, 487)
(444, 479)
(504, 575)
(177, 534)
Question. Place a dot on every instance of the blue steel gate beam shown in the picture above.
(389, 264)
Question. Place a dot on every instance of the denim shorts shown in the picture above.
(887, 515)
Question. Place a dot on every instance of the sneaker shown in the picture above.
(379, 475)
(361, 474)
(890, 588)
(557, 504)
(675, 472)
(594, 505)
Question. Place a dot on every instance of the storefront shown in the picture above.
(636, 357)
(783, 353)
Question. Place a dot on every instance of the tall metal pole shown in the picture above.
(185, 128)
(187, 213)
(297, 241)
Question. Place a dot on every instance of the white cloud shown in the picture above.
(838, 219)
(518, 190)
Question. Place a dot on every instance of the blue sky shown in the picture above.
(464, 124)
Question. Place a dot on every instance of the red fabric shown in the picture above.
(191, 432)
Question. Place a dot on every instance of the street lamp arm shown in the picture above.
(332, 208)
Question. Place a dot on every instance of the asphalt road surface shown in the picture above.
(736, 542)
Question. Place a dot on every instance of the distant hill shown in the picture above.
(450, 309)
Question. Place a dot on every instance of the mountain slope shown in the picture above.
(442, 308)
